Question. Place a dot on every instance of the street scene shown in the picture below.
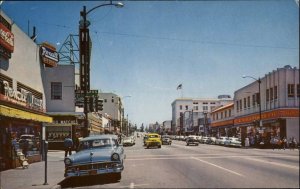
(180, 166)
(149, 94)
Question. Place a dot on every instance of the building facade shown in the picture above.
(22, 94)
(186, 113)
(276, 106)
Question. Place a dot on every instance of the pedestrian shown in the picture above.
(279, 143)
(294, 143)
(273, 142)
(247, 142)
(284, 143)
(76, 142)
(68, 144)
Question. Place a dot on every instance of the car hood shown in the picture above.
(84, 156)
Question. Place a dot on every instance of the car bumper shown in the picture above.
(76, 173)
(153, 144)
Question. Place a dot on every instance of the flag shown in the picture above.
(179, 86)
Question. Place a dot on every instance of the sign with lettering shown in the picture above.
(22, 97)
(48, 55)
(79, 96)
(6, 40)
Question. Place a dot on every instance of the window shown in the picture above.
(225, 113)
(291, 90)
(205, 108)
(56, 90)
(212, 103)
(298, 90)
(205, 102)
(237, 105)
(275, 93)
(229, 112)
(186, 107)
(253, 100)
(105, 100)
(241, 105)
(245, 103)
(257, 98)
(180, 107)
(248, 102)
(221, 115)
(112, 100)
(267, 95)
(195, 107)
(271, 94)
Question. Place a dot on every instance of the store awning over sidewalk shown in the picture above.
(21, 114)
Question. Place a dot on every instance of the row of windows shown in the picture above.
(271, 94)
(222, 115)
(204, 108)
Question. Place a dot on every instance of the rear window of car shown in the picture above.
(153, 136)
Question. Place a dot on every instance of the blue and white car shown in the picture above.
(96, 155)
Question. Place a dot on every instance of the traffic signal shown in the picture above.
(91, 103)
(99, 105)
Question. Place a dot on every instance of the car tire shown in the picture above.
(147, 147)
(159, 146)
(187, 144)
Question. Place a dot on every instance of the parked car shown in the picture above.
(30, 139)
(166, 139)
(192, 140)
(128, 141)
(221, 140)
(181, 137)
(233, 142)
(211, 140)
(97, 155)
(204, 140)
(145, 138)
(153, 140)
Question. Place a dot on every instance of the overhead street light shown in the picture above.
(259, 82)
(84, 51)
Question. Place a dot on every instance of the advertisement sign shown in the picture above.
(79, 96)
(6, 38)
(48, 55)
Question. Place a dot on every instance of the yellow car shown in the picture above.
(153, 140)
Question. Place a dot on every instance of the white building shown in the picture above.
(187, 111)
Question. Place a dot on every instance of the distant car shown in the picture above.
(204, 140)
(221, 140)
(97, 155)
(128, 141)
(153, 140)
(192, 140)
(166, 139)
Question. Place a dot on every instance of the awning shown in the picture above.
(21, 114)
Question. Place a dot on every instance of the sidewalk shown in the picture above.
(34, 176)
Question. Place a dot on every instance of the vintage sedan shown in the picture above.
(166, 139)
(99, 154)
(153, 140)
(192, 139)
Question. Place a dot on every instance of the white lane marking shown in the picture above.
(273, 163)
(228, 170)
(132, 185)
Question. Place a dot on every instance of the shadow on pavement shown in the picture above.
(88, 181)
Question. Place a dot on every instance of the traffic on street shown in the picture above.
(203, 166)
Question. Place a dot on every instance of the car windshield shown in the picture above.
(26, 137)
(97, 143)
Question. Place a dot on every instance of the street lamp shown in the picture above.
(122, 114)
(259, 82)
(84, 51)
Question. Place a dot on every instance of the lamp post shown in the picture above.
(259, 82)
(122, 124)
(84, 51)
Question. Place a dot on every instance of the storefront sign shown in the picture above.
(22, 97)
(49, 56)
(6, 38)
(223, 123)
(269, 115)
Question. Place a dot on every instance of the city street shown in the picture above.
(203, 166)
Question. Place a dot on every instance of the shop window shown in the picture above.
(56, 90)
(291, 90)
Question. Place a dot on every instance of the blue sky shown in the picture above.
(146, 49)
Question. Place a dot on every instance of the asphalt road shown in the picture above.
(203, 166)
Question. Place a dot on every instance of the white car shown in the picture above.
(234, 142)
(204, 140)
(221, 140)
